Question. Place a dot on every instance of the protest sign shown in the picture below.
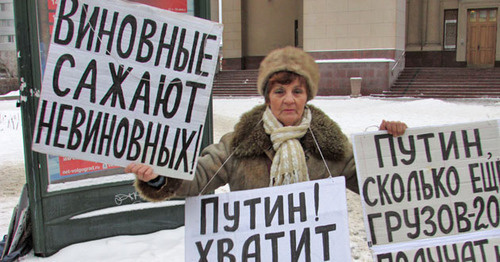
(432, 183)
(299, 222)
(126, 83)
(485, 248)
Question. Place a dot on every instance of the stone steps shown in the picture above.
(235, 83)
(439, 82)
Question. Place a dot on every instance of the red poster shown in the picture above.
(179, 6)
(70, 166)
(51, 6)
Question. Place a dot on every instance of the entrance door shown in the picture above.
(481, 37)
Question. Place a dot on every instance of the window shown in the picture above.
(6, 22)
(450, 29)
(483, 15)
(473, 16)
(6, 7)
(493, 15)
(7, 39)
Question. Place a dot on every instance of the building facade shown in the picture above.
(8, 60)
(372, 39)
(453, 33)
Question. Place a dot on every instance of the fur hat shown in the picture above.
(289, 59)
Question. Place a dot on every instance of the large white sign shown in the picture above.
(126, 83)
(436, 184)
(299, 222)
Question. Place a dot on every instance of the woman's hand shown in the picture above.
(395, 128)
(142, 172)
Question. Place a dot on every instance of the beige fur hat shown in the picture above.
(289, 59)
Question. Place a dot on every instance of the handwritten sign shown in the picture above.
(299, 222)
(126, 83)
(432, 183)
(484, 248)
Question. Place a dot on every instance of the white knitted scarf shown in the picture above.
(289, 163)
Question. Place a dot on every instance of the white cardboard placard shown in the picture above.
(432, 187)
(126, 83)
(305, 221)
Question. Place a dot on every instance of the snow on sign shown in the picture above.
(431, 192)
(126, 83)
(300, 222)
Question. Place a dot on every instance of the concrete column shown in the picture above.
(414, 25)
(433, 27)
(232, 47)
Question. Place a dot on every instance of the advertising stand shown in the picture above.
(72, 200)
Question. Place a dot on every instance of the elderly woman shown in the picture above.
(281, 142)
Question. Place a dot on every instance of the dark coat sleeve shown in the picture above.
(209, 164)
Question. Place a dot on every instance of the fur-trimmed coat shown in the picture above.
(247, 153)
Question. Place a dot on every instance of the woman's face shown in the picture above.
(287, 102)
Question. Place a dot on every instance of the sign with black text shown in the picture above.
(299, 222)
(483, 248)
(433, 185)
(125, 83)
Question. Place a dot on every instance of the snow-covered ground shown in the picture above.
(353, 115)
